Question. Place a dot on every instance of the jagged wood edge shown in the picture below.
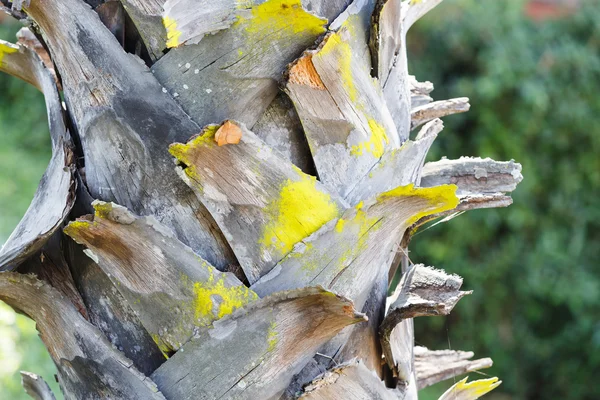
(423, 291)
(433, 366)
(349, 381)
(259, 347)
(172, 290)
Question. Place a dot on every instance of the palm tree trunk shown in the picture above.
(233, 184)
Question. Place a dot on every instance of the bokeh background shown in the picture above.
(532, 72)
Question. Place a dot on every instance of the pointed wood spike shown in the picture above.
(346, 121)
(125, 122)
(423, 291)
(348, 255)
(438, 109)
(436, 366)
(350, 381)
(55, 194)
(172, 290)
(472, 390)
(86, 361)
(259, 347)
(262, 202)
(36, 387)
(482, 183)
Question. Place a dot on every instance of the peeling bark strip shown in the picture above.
(254, 353)
(88, 366)
(236, 70)
(125, 122)
(423, 291)
(438, 109)
(350, 381)
(482, 183)
(171, 289)
(436, 366)
(344, 115)
(55, 194)
(472, 390)
(348, 255)
(263, 203)
(36, 387)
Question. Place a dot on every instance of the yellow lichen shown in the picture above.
(440, 198)
(173, 34)
(272, 336)
(102, 209)
(282, 17)
(299, 210)
(6, 48)
(376, 143)
(215, 295)
(335, 44)
(472, 390)
(76, 226)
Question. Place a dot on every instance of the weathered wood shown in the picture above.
(281, 129)
(233, 74)
(432, 366)
(171, 289)
(481, 182)
(262, 202)
(253, 353)
(353, 381)
(398, 167)
(188, 21)
(419, 92)
(360, 341)
(347, 133)
(388, 51)
(347, 255)
(49, 265)
(55, 194)
(109, 311)
(472, 390)
(438, 109)
(88, 366)
(146, 15)
(125, 122)
(36, 387)
(423, 291)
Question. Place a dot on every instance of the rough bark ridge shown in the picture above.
(232, 185)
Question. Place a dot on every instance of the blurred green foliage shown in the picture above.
(534, 90)
(24, 155)
(535, 96)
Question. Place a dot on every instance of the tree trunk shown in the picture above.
(233, 184)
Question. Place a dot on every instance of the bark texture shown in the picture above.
(232, 185)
